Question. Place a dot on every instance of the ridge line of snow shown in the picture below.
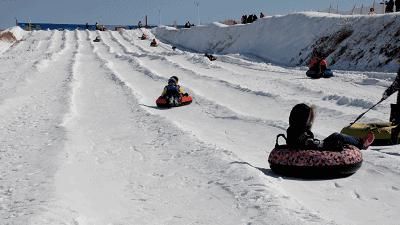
(73, 86)
(32, 131)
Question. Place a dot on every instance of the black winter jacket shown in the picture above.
(395, 86)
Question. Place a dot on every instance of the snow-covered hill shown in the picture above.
(82, 142)
(368, 43)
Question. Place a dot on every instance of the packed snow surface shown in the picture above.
(82, 142)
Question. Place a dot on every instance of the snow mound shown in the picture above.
(349, 42)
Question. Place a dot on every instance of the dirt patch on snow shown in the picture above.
(7, 36)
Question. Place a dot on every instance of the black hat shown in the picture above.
(172, 81)
(175, 78)
(301, 116)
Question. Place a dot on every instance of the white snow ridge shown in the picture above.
(83, 143)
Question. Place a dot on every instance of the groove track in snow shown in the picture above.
(31, 139)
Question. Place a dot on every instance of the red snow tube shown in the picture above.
(314, 163)
(162, 101)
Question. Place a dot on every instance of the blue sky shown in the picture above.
(131, 11)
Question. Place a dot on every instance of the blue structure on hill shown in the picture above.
(53, 26)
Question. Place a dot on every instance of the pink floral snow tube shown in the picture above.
(303, 163)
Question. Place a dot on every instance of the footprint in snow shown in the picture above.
(369, 81)
(356, 195)
(257, 185)
(244, 193)
(338, 185)
(247, 178)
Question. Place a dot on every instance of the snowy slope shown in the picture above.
(83, 143)
(350, 42)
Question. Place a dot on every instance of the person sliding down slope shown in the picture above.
(299, 133)
(210, 57)
(144, 37)
(153, 43)
(318, 67)
(97, 39)
(173, 92)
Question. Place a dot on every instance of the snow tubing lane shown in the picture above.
(162, 102)
(315, 163)
(382, 132)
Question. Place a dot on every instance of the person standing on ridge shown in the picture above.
(389, 6)
(255, 17)
(395, 117)
(97, 26)
(188, 24)
(397, 5)
(249, 19)
(372, 11)
(244, 19)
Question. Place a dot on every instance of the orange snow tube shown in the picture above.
(184, 100)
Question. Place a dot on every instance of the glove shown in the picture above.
(334, 142)
(384, 96)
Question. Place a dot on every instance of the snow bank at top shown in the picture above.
(349, 42)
